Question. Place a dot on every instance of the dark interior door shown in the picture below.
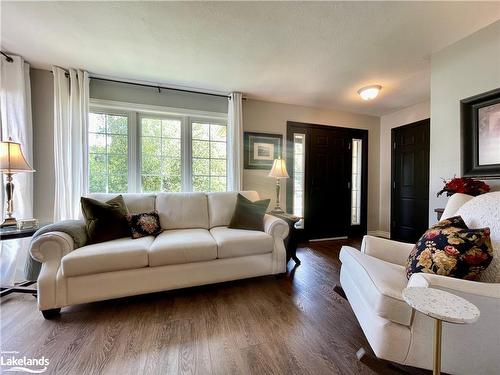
(410, 181)
(328, 183)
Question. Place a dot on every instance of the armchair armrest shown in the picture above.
(275, 226)
(51, 246)
(427, 280)
(388, 250)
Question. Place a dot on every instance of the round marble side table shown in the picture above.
(443, 307)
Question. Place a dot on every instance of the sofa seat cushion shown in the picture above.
(232, 243)
(179, 246)
(116, 255)
(380, 283)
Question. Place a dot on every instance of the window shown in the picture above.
(108, 153)
(209, 156)
(298, 173)
(152, 151)
(356, 182)
(161, 155)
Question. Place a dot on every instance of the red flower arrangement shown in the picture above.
(464, 185)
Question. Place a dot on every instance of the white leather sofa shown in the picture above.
(374, 278)
(195, 248)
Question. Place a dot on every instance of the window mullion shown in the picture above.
(133, 160)
(187, 159)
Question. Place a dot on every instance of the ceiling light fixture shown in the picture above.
(369, 92)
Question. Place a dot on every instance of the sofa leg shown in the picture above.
(360, 353)
(51, 313)
(280, 275)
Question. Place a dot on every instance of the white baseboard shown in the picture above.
(379, 233)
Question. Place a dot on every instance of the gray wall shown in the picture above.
(466, 68)
(42, 103)
(146, 95)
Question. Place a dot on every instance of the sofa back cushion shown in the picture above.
(182, 210)
(221, 206)
(137, 203)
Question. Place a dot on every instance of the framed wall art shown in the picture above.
(480, 117)
(261, 149)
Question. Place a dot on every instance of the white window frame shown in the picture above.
(189, 138)
(135, 112)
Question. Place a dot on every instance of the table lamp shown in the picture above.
(11, 161)
(278, 171)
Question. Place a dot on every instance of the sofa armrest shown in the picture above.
(275, 226)
(51, 246)
(388, 250)
(426, 280)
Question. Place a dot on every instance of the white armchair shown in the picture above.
(374, 278)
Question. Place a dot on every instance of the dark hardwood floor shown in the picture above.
(296, 324)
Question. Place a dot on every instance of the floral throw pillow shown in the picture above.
(146, 224)
(449, 248)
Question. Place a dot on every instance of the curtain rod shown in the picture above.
(7, 57)
(162, 87)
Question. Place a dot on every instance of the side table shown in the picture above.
(292, 240)
(443, 307)
(12, 233)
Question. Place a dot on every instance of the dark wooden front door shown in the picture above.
(328, 179)
(328, 192)
(410, 181)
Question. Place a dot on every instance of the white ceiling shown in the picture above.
(308, 53)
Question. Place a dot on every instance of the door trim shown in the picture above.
(305, 128)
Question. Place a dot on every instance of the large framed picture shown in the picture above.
(261, 149)
(480, 117)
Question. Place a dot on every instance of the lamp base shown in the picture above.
(8, 222)
(277, 210)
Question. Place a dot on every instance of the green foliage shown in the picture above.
(117, 183)
(151, 184)
(200, 131)
(150, 127)
(201, 149)
(201, 183)
(218, 133)
(218, 167)
(117, 124)
(151, 145)
(218, 150)
(171, 147)
(171, 128)
(150, 164)
(201, 167)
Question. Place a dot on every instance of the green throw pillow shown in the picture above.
(249, 215)
(105, 221)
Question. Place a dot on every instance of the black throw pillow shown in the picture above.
(146, 224)
(105, 221)
(449, 248)
(249, 215)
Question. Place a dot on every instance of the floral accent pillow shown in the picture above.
(146, 224)
(449, 248)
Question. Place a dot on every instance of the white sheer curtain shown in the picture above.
(71, 107)
(235, 142)
(15, 107)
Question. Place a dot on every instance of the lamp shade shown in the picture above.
(279, 169)
(12, 159)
